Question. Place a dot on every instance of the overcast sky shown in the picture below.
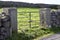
(38, 1)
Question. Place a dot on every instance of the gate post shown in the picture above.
(45, 14)
(12, 12)
(58, 10)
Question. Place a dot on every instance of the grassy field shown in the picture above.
(29, 30)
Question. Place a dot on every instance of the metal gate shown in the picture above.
(28, 20)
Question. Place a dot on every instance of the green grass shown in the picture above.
(0, 10)
(28, 9)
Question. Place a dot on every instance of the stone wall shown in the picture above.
(5, 26)
(55, 18)
(50, 17)
(8, 22)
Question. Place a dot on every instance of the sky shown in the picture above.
(38, 1)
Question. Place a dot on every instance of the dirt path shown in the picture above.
(52, 37)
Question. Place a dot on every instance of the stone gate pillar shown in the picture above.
(58, 21)
(45, 14)
(12, 12)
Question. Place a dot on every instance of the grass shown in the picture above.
(32, 30)
(0, 10)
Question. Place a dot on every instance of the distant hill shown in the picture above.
(23, 4)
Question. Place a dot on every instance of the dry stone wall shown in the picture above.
(55, 19)
(49, 18)
(4, 26)
(8, 22)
